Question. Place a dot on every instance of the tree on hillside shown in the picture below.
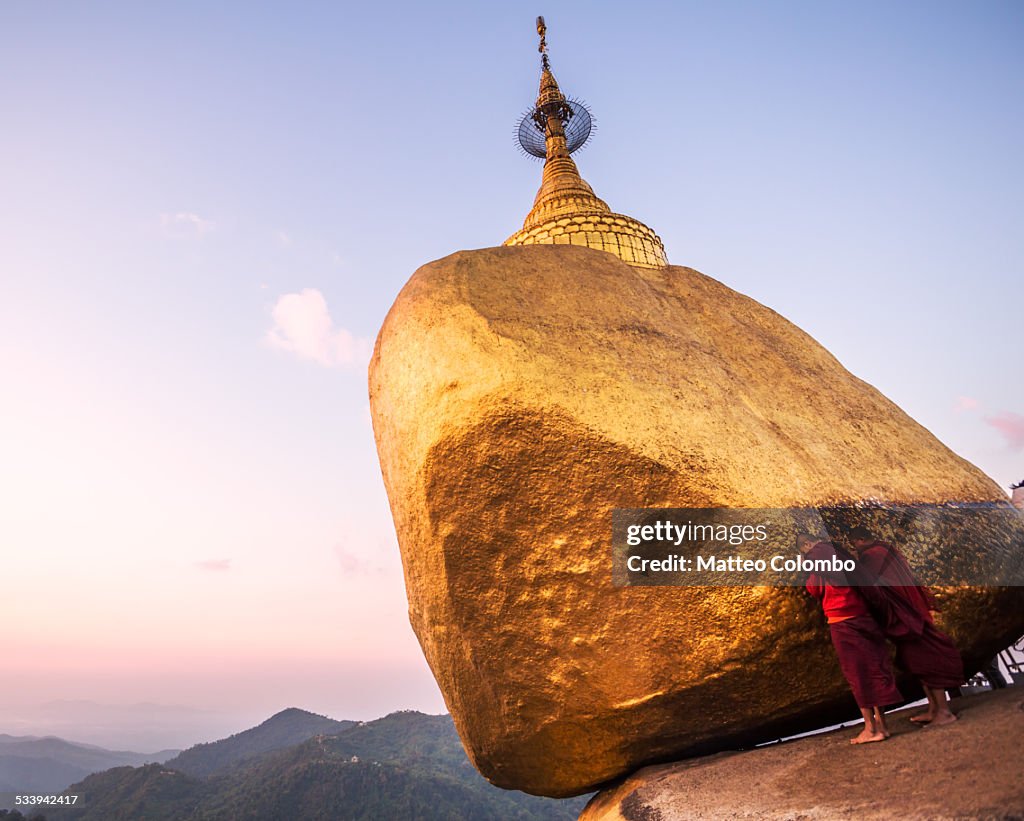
(15, 815)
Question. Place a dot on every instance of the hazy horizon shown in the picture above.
(140, 728)
(207, 212)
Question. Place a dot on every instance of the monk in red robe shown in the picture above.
(858, 640)
(922, 649)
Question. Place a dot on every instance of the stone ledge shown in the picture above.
(968, 770)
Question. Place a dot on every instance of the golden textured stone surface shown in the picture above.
(518, 396)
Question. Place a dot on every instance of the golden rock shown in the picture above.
(518, 396)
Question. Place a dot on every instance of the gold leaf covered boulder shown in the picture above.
(518, 396)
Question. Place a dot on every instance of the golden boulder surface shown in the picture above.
(518, 396)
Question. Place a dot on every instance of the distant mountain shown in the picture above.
(404, 766)
(285, 729)
(88, 756)
(48, 765)
(37, 775)
(139, 726)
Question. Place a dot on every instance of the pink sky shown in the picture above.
(199, 241)
(161, 553)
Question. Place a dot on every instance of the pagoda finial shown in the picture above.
(566, 210)
(543, 47)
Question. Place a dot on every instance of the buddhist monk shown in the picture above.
(858, 640)
(921, 648)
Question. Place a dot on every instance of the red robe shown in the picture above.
(922, 649)
(857, 638)
(887, 564)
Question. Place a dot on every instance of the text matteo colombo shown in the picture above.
(734, 564)
(669, 532)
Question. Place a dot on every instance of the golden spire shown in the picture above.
(566, 211)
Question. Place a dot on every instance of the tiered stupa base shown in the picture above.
(631, 241)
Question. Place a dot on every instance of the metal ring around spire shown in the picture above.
(578, 126)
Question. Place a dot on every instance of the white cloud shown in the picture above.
(368, 547)
(1011, 426)
(303, 326)
(966, 403)
(351, 564)
(185, 223)
(284, 239)
(215, 565)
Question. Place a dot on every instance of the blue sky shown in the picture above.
(187, 494)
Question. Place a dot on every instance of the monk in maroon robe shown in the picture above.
(922, 649)
(858, 641)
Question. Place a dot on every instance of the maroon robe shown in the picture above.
(922, 649)
(864, 660)
(892, 570)
(856, 636)
(932, 658)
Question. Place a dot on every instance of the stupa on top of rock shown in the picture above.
(522, 394)
(566, 211)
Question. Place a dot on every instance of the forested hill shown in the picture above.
(405, 765)
(33, 765)
(284, 729)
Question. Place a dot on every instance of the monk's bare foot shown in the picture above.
(923, 718)
(867, 737)
(942, 719)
